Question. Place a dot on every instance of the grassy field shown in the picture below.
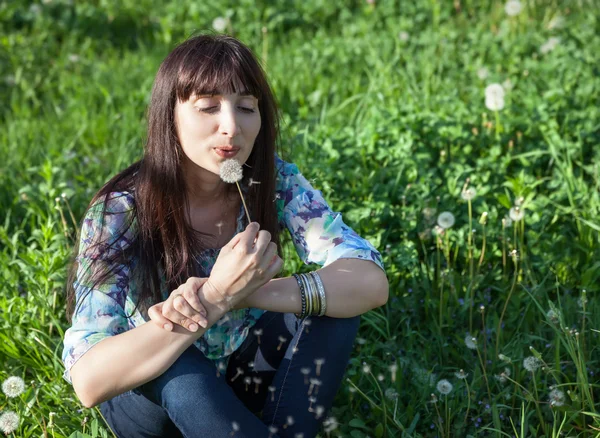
(484, 201)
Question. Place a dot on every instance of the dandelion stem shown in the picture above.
(484, 374)
(396, 423)
(512, 288)
(244, 202)
(468, 402)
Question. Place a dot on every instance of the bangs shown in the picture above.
(217, 69)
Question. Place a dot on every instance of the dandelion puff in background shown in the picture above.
(531, 363)
(468, 194)
(445, 220)
(494, 97)
(403, 35)
(461, 374)
(13, 386)
(219, 24)
(444, 387)
(553, 316)
(483, 73)
(549, 45)
(557, 397)
(9, 421)
(516, 214)
(471, 342)
(231, 172)
(513, 8)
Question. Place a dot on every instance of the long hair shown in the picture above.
(163, 240)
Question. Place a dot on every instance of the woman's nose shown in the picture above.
(228, 120)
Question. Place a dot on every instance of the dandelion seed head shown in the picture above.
(366, 368)
(231, 171)
(391, 394)
(445, 220)
(471, 342)
(444, 387)
(9, 421)
(461, 374)
(557, 397)
(219, 24)
(494, 97)
(483, 73)
(549, 45)
(403, 35)
(513, 8)
(468, 194)
(380, 377)
(516, 213)
(13, 386)
(553, 316)
(531, 363)
(330, 424)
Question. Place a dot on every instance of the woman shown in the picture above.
(166, 243)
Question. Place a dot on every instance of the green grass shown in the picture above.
(389, 127)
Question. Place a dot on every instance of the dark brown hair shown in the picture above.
(162, 237)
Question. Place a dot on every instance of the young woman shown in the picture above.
(198, 336)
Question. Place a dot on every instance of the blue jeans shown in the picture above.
(296, 368)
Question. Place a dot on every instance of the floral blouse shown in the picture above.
(318, 234)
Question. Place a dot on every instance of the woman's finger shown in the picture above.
(190, 293)
(180, 312)
(155, 314)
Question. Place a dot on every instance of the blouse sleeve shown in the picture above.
(319, 234)
(99, 312)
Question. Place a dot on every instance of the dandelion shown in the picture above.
(231, 172)
(516, 213)
(557, 397)
(330, 424)
(403, 35)
(494, 97)
(507, 85)
(444, 387)
(549, 45)
(556, 23)
(391, 394)
(289, 421)
(468, 194)
(272, 430)
(219, 24)
(461, 374)
(531, 363)
(13, 386)
(319, 362)
(504, 358)
(507, 222)
(483, 73)
(9, 421)
(380, 377)
(513, 8)
(445, 220)
(503, 376)
(282, 341)
(471, 342)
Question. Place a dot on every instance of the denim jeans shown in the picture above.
(279, 383)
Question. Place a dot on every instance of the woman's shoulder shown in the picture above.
(109, 215)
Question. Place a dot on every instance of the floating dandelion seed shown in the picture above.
(380, 377)
(219, 24)
(468, 194)
(247, 381)
(13, 386)
(312, 400)
(289, 421)
(235, 426)
(219, 225)
(471, 342)
(513, 8)
(494, 97)
(330, 424)
(318, 362)
(251, 365)
(258, 333)
(257, 381)
(282, 341)
(516, 213)
(272, 390)
(361, 341)
(9, 421)
(531, 363)
(251, 182)
(272, 430)
(314, 382)
(307, 323)
(239, 372)
(557, 397)
(444, 387)
(461, 374)
(306, 372)
(445, 220)
(319, 410)
(221, 367)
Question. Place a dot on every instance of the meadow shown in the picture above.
(462, 138)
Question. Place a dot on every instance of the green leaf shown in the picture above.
(357, 422)
(79, 435)
(379, 431)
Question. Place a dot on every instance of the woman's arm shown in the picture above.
(352, 287)
(127, 360)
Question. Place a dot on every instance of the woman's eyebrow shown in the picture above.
(216, 93)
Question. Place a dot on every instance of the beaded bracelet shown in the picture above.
(302, 296)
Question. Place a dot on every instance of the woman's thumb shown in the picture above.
(155, 314)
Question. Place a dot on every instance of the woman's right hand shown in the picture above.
(242, 267)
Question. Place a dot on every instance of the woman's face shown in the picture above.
(207, 122)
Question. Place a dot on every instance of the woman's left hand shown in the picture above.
(183, 307)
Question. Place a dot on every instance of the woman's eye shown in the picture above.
(248, 110)
(213, 109)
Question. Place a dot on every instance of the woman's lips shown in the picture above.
(227, 153)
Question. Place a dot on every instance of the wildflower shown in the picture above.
(444, 387)
(483, 73)
(468, 194)
(231, 171)
(531, 363)
(403, 35)
(9, 421)
(553, 316)
(445, 220)
(513, 8)
(516, 214)
(557, 397)
(13, 386)
(219, 24)
(549, 45)
(391, 394)
(471, 342)
(461, 374)
(494, 97)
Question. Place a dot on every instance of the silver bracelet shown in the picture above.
(321, 290)
(316, 298)
(309, 295)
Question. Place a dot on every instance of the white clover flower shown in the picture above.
(13, 386)
(403, 35)
(549, 45)
(231, 171)
(494, 97)
(461, 374)
(445, 220)
(483, 73)
(9, 421)
(219, 24)
(531, 363)
(471, 342)
(513, 8)
(516, 214)
(557, 397)
(468, 194)
(444, 387)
